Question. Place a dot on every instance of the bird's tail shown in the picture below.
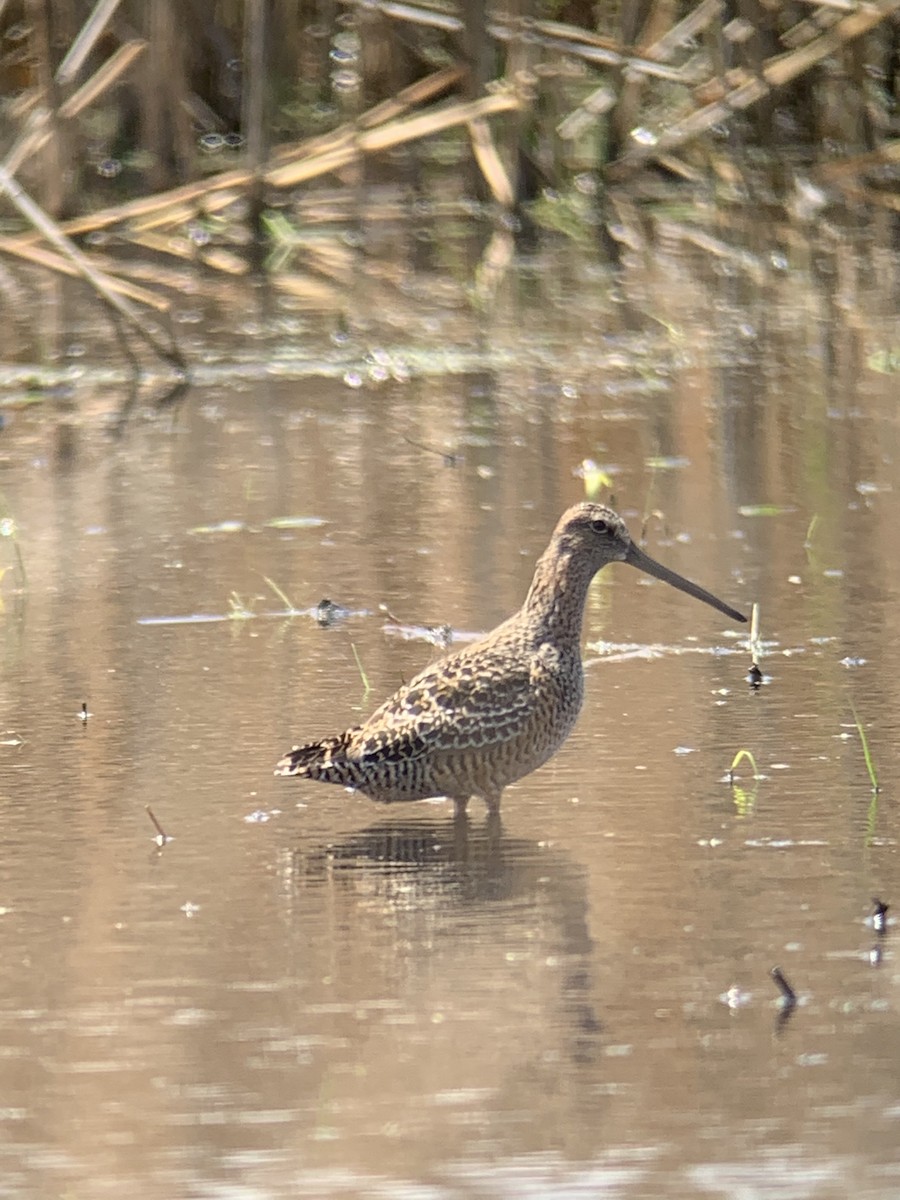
(326, 760)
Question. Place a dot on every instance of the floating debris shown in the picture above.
(220, 527)
(449, 458)
(442, 636)
(667, 462)
(735, 998)
(765, 510)
(879, 916)
(294, 522)
(327, 612)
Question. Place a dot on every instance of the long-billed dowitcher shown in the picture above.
(479, 719)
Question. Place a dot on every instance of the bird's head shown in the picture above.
(601, 537)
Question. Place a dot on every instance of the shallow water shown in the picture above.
(303, 994)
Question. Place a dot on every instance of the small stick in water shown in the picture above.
(754, 675)
(161, 836)
(788, 995)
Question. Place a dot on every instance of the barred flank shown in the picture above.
(323, 760)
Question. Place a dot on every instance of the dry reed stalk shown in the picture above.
(394, 133)
(776, 72)
(86, 39)
(556, 35)
(490, 163)
(253, 114)
(42, 257)
(889, 152)
(38, 132)
(696, 21)
(870, 196)
(236, 181)
(314, 292)
(224, 261)
(415, 15)
(110, 292)
(103, 78)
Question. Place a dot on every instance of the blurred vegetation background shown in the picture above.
(136, 96)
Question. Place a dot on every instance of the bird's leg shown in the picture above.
(492, 800)
(460, 830)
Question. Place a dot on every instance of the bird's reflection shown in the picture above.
(498, 891)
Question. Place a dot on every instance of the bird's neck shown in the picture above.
(554, 606)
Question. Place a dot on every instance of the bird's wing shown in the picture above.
(457, 703)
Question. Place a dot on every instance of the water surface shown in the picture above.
(303, 994)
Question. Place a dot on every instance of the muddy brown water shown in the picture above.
(303, 994)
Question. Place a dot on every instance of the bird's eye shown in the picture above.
(600, 526)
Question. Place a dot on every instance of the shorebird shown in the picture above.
(485, 716)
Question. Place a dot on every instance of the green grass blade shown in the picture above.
(280, 594)
(867, 753)
(362, 674)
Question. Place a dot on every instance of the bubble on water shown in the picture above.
(345, 81)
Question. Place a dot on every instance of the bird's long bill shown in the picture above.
(644, 562)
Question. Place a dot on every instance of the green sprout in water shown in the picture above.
(238, 610)
(867, 753)
(738, 759)
(744, 798)
(595, 478)
(810, 530)
(362, 674)
(288, 604)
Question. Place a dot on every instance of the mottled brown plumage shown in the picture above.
(490, 713)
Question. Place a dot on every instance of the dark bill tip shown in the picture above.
(650, 566)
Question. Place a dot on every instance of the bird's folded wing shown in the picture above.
(453, 705)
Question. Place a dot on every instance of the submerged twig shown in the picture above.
(450, 458)
(788, 995)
